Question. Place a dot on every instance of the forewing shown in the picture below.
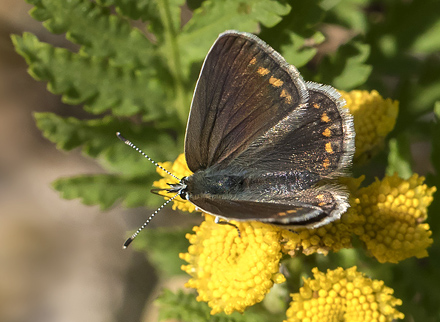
(244, 89)
(316, 138)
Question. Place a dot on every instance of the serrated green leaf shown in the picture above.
(98, 140)
(105, 190)
(184, 307)
(146, 10)
(399, 157)
(296, 36)
(100, 33)
(92, 81)
(214, 17)
(163, 247)
(346, 69)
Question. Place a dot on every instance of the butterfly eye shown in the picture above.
(184, 194)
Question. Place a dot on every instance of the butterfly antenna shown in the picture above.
(145, 224)
(130, 144)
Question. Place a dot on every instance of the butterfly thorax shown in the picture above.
(207, 182)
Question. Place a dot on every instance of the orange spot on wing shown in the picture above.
(325, 118)
(320, 197)
(263, 71)
(253, 61)
(327, 132)
(275, 81)
(316, 105)
(287, 96)
(328, 148)
(326, 163)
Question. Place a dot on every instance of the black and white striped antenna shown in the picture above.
(145, 224)
(130, 144)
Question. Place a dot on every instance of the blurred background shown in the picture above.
(59, 260)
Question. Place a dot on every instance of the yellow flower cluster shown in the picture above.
(374, 117)
(343, 295)
(229, 272)
(394, 210)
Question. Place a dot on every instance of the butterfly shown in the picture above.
(263, 144)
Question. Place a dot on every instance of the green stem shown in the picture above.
(174, 59)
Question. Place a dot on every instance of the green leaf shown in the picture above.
(437, 109)
(399, 53)
(429, 41)
(349, 13)
(296, 36)
(422, 33)
(100, 33)
(98, 140)
(92, 81)
(105, 190)
(425, 90)
(163, 247)
(298, 53)
(184, 307)
(214, 17)
(347, 68)
(146, 10)
(399, 157)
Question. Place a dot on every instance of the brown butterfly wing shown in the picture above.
(244, 89)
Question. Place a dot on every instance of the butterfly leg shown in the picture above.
(217, 220)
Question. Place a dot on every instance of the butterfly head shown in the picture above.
(180, 188)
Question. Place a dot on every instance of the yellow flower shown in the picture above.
(374, 117)
(229, 272)
(343, 295)
(394, 211)
(180, 169)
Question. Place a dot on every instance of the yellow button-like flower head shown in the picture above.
(343, 295)
(395, 210)
(374, 117)
(230, 272)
